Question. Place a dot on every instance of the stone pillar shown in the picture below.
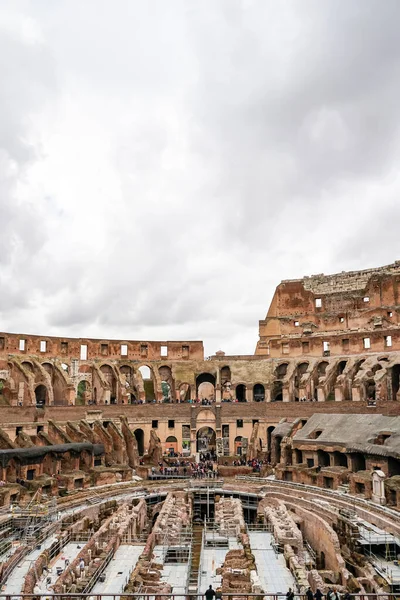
(320, 394)
(338, 394)
(218, 394)
(268, 394)
(193, 442)
(285, 394)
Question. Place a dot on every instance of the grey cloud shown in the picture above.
(241, 143)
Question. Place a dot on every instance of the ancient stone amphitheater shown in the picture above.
(98, 437)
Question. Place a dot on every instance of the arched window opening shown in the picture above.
(205, 440)
(341, 366)
(171, 445)
(109, 376)
(277, 392)
(205, 387)
(41, 396)
(259, 393)
(139, 435)
(370, 390)
(148, 383)
(323, 458)
(241, 392)
(281, 370)
(82, 393)
(321, 369)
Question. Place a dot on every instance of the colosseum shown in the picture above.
(143, 467)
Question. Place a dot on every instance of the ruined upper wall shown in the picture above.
(320, 313)
(52, 347)
(346, 281)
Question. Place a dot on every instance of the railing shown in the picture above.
(186, 596)
(96, 575)
(361, 502)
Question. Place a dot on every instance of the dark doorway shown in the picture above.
(41, 395)
(241, 393)
(139, 435)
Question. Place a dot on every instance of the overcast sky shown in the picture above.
(164, 164)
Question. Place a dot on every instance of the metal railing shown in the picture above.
(185, 596)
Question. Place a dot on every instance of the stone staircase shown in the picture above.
(197, 539)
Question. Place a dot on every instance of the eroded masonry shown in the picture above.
(302, 441)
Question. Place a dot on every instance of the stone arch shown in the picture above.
(41, 395)
(171, 444)
(240, 392)
(149, 382)
(277, 392)
(321, 368)
(205, 439)
(28, 366)
(258, 392)
(5, 392)
(226, 374)
(111, 379)
(205, 386)
(281, 370)
(238, 445)
(167, 383)
(83, 392)
(370, 389)
(139, 435)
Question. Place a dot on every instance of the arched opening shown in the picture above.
(238, 445)
(281, 370)
(259, 392)
(167, 384)
(28, 366)
(82, 392)
(5, 393)
(171, 445)
(241, 392)
(323, 458)
(226, 384)
(205, 386)
(139, 435)
(370, 390)
(148, 383)
(395, 380)
(340, 459)
(184, 392)
(41, 395)
(321, 369)
(359, 463)
(225, 375)
(205, 440)
(109, 376)
(277, 392)
(341, 367)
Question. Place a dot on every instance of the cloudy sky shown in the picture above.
(165, 163)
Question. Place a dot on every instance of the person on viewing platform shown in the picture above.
(318, 594)
(290, 594)
(309, 594)
(335, 595)
(210, 593)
